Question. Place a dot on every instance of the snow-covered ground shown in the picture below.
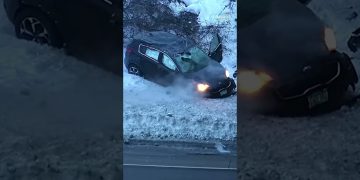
(157, 113)
(325, 147)
(210, 12)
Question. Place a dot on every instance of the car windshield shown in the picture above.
(192, 60)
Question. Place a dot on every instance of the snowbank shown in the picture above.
(339, 14)
(210, 12)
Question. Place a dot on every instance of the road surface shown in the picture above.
(178, 162)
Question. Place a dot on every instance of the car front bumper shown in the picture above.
(225, 91)
(270, 99)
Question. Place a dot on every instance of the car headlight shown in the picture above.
(250, 82)
(330, 39)
(227, 74)
(202, 87)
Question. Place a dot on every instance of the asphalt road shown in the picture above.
(163, 162)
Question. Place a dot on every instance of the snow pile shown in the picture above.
(209, 12)
(342, 15)
(177, 7)
(185, 120)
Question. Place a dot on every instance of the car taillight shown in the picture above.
(129, 50)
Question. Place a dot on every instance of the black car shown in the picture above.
(88, 29)
(166, 59)
(288, 60)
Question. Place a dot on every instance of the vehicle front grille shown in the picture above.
(316, 76)
(221, 85)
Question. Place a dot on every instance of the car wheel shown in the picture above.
(32, 25)
(133, 69)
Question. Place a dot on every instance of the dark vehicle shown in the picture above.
(288, 60)
(165, 58)
(88, 29)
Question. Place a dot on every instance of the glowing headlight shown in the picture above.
(227, 74)
(202, 87)
(330, 39)
(250, 82)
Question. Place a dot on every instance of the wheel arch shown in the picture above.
(40, 8)
(141, 72)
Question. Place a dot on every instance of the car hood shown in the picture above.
(212, 74)
(289, 38)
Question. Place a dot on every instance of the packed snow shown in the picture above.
(209, 12)
(175, 113)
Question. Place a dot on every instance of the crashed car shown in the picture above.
(88, 30)
(288, 60)
(166, 59)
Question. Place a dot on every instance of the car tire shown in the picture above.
(31, 24)
(134, 69)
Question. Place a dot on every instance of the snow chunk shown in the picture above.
(221, 148)
(210, 11)
(336, 14)
(176, 7)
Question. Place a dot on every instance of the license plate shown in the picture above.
(223, 92)
(318, 97)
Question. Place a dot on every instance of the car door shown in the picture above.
(149, 62)
(215, 50)
(167, 70)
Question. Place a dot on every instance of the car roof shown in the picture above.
(165, 41)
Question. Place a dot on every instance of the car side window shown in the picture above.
(168, 62)
(151, 53)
